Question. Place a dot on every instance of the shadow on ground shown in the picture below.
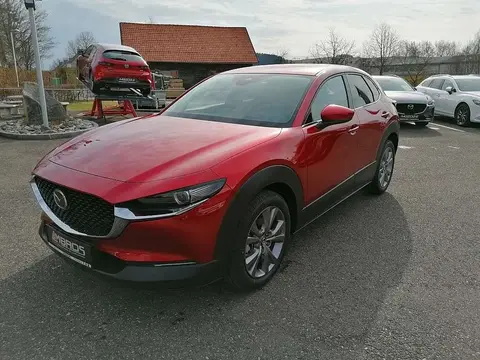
(321, 305)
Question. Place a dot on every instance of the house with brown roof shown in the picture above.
(191, 51)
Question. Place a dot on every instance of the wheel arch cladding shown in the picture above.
(391, 133)
(278, 178)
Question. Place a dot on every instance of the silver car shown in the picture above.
(412, 105)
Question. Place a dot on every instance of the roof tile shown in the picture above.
(189, 43)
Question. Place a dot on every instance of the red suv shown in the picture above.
(216, 185)
(114, 69)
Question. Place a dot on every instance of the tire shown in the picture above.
(242, 274)
(379, 185)
(421, 124)
(462, 115)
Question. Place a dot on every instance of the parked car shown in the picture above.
(216, 185)
(456, 97)
(411, 104)
(106, 68)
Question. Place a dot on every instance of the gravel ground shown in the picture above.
(390, 277)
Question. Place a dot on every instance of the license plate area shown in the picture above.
(76, 250)
(127, 80)
(408, 117)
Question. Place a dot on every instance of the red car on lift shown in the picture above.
(216, 185)
(106, 68)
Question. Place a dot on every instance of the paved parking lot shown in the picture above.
(390, 277)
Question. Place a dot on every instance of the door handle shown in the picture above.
(385, 114)
(353, 129)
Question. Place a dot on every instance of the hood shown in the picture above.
(157, 147)
(408, 96)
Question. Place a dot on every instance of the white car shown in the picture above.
(456, 96)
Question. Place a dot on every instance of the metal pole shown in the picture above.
(14, 58)
(38, 65)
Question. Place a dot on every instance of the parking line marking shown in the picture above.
(404, 147)
(448, 127)
(453, 147)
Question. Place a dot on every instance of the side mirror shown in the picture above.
(415, 88)
(450, 90)
(335, 114)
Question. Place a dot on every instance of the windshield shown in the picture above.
(252, 99)
(122, 55)
(393, 84)
(472, 84)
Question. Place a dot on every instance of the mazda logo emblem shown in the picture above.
(410, 107)
(127, 66)
(60, 199)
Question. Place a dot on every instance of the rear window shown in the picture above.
(122, 55)
(251, 99)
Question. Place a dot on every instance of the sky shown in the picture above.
(274, 26)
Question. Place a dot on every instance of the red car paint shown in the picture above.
(138, 158)
(96, 64)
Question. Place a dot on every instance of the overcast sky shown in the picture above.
(293, 25)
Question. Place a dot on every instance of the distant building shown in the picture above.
(192, 52)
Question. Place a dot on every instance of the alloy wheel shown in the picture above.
(462, 115)
(265, 242)
(386, 167)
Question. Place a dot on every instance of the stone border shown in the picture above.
(48, 136)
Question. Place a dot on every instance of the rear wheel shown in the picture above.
(260, 242)
(384, 172)
(462, 115)
(93, 86)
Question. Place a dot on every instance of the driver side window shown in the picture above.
(446, 84)
(332, 91)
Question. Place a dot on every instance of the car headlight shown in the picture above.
(173, 202)
(476, 102)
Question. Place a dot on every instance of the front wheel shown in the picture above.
(260, 242)
(384, 172)
(462, 115)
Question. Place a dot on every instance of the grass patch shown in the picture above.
(87, 105)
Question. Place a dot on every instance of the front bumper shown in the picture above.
(424, 116)
(107, 265)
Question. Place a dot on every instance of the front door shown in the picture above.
(437, 94)
(449, 101)
(330, 152)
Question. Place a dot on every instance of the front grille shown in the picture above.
(85, 213)
(417, 108)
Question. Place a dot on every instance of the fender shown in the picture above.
(269, 176)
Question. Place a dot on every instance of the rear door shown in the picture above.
(371, 117)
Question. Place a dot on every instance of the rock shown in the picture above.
(31, 99)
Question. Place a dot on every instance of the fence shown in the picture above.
(61, 78)
(68, 95)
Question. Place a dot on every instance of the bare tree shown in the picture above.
(471, 54)
(81, 42)
(14, 20)
(334, 50)
(416, 58)
(382, 46)
(446, 48)
(282, 54)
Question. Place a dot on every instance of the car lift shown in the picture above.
(125, 108)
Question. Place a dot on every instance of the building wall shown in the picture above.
(193, 73)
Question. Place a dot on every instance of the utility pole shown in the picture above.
(14, 58)
(30, 5)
